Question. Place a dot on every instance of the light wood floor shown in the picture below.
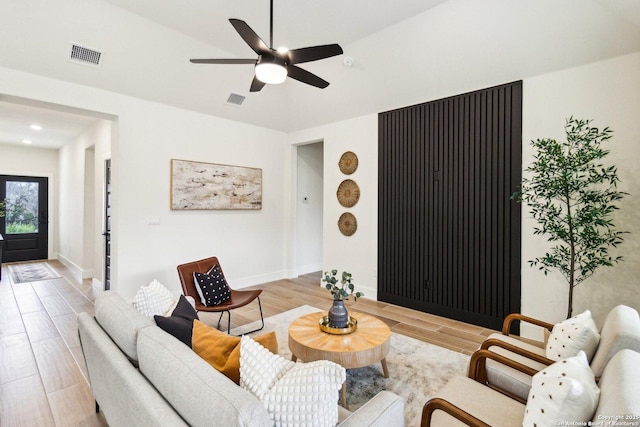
(42, 374)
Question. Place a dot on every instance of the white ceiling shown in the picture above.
(58, 126)
(405, 52)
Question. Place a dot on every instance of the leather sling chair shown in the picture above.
(238, 298)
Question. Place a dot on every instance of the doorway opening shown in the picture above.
(309, 207)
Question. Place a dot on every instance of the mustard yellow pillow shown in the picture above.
(222, 351)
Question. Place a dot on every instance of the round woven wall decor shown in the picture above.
(348, 163)
(347, 224)
(348, 193)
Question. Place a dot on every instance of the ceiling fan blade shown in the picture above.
(314, 53)
(256, 85)
(223, 61)
(305, 76)
(249, 36)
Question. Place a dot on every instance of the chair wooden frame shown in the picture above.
(477, 371)
(506, 324)
(238, 298)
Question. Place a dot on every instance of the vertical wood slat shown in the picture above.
(448, 234)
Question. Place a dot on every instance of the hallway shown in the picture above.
(42, 375)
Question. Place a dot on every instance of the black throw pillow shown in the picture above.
(213, 285)
(180, 323)
(185, 309)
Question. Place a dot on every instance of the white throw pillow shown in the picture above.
(160, 288)
(153, 299)
(572, 335)
(295, 394)
(564, 391)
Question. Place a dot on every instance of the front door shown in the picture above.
(25, 224)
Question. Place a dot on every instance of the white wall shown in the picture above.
(81, 165)
(249, 244)
(309, 207)
(356, 254)
(252, 245)
(609, 93)
(30, 161)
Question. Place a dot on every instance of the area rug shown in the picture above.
(32, 272)
(417, 370)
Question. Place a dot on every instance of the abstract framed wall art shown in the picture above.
(210, 186)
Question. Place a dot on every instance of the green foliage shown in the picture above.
(21, 207)
(344, 289)
(572, 196)
(20, 228)
(2, 205)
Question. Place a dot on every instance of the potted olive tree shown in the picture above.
(572, 195)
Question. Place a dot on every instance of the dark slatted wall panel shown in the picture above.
(449, 235)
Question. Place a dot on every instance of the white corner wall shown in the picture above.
(29, 161)
(81, 165)
(356, 254)
(609, 93)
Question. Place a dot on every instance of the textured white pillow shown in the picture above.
(565, 391)
(159, 287)
(295, 394)
(153, 299)
(572, 335)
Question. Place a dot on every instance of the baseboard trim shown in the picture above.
(78, 273)
(257, 280)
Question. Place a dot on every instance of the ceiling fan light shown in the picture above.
(271, 73)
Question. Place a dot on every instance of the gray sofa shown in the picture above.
(140, 375)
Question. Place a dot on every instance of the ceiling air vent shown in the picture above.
(85, 56)
(235, 100)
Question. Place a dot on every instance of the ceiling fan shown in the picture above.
(274, 65)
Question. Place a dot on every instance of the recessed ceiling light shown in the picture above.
(36, 127)
(26, 141)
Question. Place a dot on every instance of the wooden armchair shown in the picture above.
(477, 397)
(238, 298)
(620, 330)
(469, 401)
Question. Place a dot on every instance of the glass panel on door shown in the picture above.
(21, 210)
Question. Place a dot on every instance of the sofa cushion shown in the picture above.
(214, 289)
(621, 329)
(482, 402)
(293, 393)
(222, 351)
(199, 393)
(506, 377)
(126, 398)
(120, 321)
(180, 323)
(572, 335)
(566, 390)
(620, 389)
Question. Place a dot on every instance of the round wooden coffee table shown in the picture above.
(369, 344)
